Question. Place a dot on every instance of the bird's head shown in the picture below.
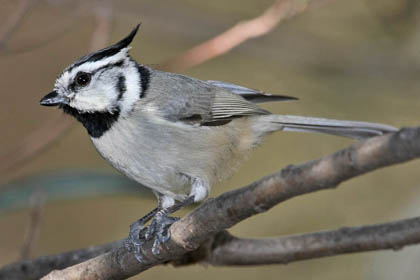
(105, 81)
(100, 87)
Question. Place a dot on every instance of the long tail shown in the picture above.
(351, 129)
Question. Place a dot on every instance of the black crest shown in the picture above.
(107, 52)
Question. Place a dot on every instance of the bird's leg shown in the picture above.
(136, 237)
(159, 227)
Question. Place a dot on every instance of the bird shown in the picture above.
(174, 134)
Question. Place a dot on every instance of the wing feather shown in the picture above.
(227, 106)
(181, 98)
(252, 95)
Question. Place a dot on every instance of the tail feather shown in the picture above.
(350, 129)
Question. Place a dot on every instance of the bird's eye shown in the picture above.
(83, 79)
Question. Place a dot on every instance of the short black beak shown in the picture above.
(53, 99)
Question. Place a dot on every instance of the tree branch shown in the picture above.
(225, 249)
(232, 207)
(35, 269)
(280, 11)
(14, 19)
(33, 144)
(36, 215)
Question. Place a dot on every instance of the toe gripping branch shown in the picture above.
(158, 229)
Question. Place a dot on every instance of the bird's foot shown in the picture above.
(139, 234)
(136, 239)
(159, 230)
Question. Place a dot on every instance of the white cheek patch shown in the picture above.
(94, 100)
(90, 104)
(133, 88)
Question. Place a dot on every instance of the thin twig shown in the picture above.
(232, 207)
(14, 19)
(280, 11)
(103, 11)
(54, 31)
(34, 144)
(35, 218)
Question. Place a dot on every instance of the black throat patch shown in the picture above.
(96, 123)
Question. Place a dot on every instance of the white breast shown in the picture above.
(162, 155)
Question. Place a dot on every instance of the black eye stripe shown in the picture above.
(116, 64)
(73, 86)
(121, 86)
(144, 79)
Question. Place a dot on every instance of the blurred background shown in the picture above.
(357, 60)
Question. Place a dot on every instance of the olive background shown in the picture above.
(356, 60)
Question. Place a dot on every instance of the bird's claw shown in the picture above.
(136, 240)
(158, 229)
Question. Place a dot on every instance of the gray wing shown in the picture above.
(252, 95)
(227, 106)
(182, 98)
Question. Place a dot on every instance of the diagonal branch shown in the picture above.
(280, 11)
(223, 249)
(232, 207)
(34, 144)
(14, 20)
